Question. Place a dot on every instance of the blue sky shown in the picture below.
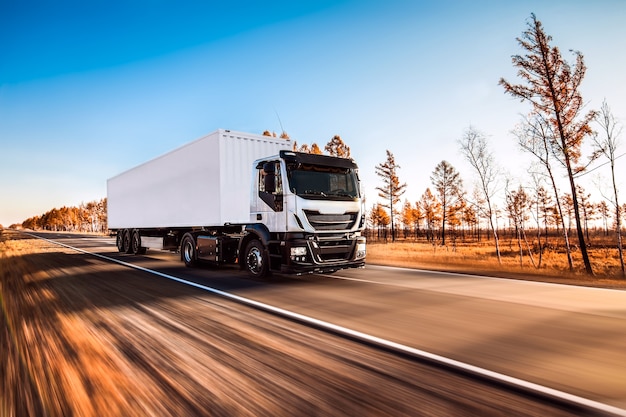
(90, 89)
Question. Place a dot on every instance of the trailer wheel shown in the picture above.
(119, 241)
(135, 244)
(126, 248)
(256, 260)
(188, 251)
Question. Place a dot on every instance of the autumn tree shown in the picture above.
(431, 211)
(337, 147)
(454, 217)
(417, 216)
(314, 148)
(470, 217)
(411, 216)
(552, 87)
(447, 181)
(379, 219)
(392, 190)
(476, 151)
(607, 144)
(517, 205)
(283, 135)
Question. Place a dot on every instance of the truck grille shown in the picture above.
(335, 250)
(330, 221)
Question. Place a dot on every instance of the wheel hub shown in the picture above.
(255, 260)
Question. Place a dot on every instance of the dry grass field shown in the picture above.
(480, 258)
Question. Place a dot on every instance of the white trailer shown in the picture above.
(203, 183)
(233, 197)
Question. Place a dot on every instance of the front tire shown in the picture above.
(188, 251)
(256, 260)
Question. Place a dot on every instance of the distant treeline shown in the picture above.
(88, 217)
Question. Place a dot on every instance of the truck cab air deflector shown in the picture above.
(314, 159)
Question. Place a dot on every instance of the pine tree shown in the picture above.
(551, 86)
(449, 186)
(392, 190)
(336, 147)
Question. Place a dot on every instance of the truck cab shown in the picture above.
(306, 210)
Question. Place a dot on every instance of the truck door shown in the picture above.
(270, 199)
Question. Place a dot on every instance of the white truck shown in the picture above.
(234, 197)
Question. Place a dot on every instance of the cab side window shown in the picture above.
(270, 185)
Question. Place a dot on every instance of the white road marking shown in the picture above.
(418, 353)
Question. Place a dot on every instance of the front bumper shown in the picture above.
(322, 254)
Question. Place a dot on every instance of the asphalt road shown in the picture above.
(572, 339)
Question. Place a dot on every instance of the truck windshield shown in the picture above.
(320, 182)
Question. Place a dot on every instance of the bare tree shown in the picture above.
(607, 146)
(540, 205)
(475, 149)
(588, 208)
(534, 136)
(392, 190)
(552, 88)
(449, 186)
(605, 213)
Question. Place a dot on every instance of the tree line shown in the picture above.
(552, 132)
(87, 217)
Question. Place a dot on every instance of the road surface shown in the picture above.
(176, 349)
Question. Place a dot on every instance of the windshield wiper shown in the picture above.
(342, 194)
(315, 192)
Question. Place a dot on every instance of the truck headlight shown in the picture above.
(298, 251)
(298, 254)
(360, 251)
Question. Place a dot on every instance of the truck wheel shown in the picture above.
(119, 241)
(126, 241)
(135, 244)
(188, 251)
(256, 260)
